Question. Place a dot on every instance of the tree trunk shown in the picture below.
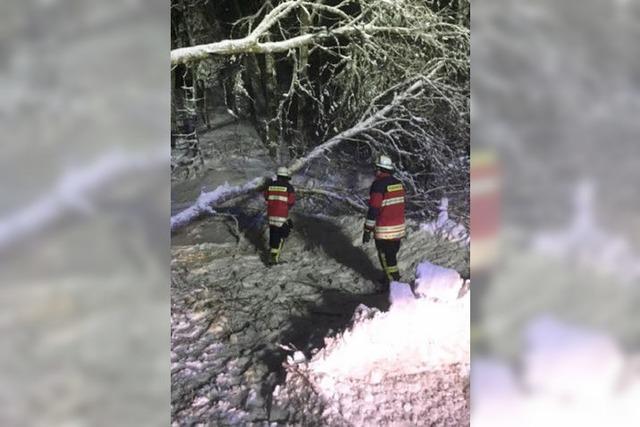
(205, 105)
(187, 155)
(272, 130)
(252, 81)
(463, 12)
(303, 62)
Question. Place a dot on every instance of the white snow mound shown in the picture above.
(400, 293)
(416, 336)
(408, 366)
(446, 227)
(440, 283)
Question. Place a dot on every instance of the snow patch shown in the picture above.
(407, 366)
(439, 283)
(445, 227)
(400, 293)
(415, 336)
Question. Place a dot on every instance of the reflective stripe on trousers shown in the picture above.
(275, 252)
(387, 254)
(278, 221)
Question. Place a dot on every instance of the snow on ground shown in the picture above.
(407, 366)
(230, 312)
(416, 336)
(446, 227)
(400, 293)
(436, 282)
(233, 317)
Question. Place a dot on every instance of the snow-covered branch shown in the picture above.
(357, 205)
(373, 20)
(395, 81)
(250, 44)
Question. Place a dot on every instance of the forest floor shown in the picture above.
(230, 312)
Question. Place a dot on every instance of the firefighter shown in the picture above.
(280, 197)
(385, 218)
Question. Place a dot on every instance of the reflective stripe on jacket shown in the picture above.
(386, 208)
(280, 197)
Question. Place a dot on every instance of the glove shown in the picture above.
(286, 228)
(366, 236)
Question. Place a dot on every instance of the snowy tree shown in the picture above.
(365, 77)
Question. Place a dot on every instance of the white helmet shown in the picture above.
(384, 162)
(283, 171)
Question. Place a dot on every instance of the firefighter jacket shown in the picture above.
(386, 208)
(280, 197)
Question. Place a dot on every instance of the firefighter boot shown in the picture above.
(273, 259)
(275, 254)
(393, 272)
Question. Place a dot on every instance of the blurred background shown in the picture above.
(555, 234)
(84, 212)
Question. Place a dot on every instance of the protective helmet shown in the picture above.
(283, 171)
(384, 162)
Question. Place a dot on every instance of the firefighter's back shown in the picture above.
(277, 195)
(390, 221)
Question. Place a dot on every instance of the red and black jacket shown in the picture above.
(280, 197)
(386, 208)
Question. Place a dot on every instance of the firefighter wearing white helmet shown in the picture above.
(385, 163)
(283, 172)
(280, 197)
(385, 218)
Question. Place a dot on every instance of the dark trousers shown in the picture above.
(387, 254)
(276, 240)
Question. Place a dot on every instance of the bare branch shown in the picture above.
(357, 205)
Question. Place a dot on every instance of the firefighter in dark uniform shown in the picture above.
(280, 197)
(385, 218)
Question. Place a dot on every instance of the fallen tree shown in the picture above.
(384, 77)
(371, 122)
